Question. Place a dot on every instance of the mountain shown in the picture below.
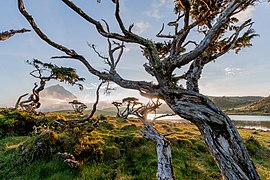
(55, 98)
(57, 92)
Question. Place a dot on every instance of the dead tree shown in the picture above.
(220, 31)
(77, 106)
(8, 34)
(94, 108)
(140, 110)
(164, 155)
(46, 72)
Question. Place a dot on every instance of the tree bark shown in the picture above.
(94, 109)
(164, 156)
(219, 133)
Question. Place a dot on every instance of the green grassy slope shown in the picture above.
(225, 103)
(261, 106)
(121, 153)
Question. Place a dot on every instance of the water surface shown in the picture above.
(243, 121)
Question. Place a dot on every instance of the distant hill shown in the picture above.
(226, 103)
(261, 106)
(57, 92)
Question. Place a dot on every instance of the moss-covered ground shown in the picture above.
(114, 150)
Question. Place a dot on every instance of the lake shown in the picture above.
(243, 121)
(252, 122)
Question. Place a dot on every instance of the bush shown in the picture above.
(15, 122)
(89, 150)
(253, 145)
(42, 146)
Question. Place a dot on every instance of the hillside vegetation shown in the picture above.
(227, 102)
(261, 107)
(114, 150)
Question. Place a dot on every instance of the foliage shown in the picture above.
(78, 107)
(253, 145)
(62, 74)
(15, 122)
(42, 146)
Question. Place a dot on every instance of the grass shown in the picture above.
(124, 154)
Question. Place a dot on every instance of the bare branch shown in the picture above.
(160, 35)
(139, 85)
(40, 33)
(94, 108)
(99, 55)
(131, 38)
(164, 115)
(168, 134)
(119, 20)
(127, 37)
(19, 100)
(107, 25)
(193, 42)
(8, 34)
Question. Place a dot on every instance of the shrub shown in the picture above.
(42, 146)
(15, 122)
(89, 150)
(253, 145)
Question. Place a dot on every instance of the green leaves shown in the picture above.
(67, 75)
(62, 74)
(245, 40)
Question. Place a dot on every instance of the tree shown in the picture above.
(221, 32)
(117, 105)
(132, 105)
(78, 106)
(140, 110)
(163, 149)
(46, 72)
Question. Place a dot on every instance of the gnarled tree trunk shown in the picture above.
(164, 155)
(218, 131)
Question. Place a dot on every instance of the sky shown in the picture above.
(246, 73)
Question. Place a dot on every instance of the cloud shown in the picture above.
(230, 71)
(244, 15)
(156, 9)
(154, 13)
(141, 26)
